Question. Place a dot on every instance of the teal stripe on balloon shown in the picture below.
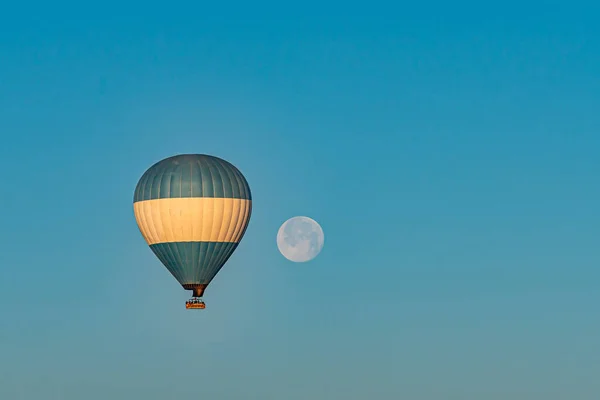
(194, 262)
(192, 175)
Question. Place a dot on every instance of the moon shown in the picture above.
(300, 239)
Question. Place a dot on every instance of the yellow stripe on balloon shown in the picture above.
(192, 219)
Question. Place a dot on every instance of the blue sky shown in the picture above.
(450, 154)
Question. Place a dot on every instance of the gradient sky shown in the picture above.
(449, 151)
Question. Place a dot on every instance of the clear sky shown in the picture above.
(449, 151)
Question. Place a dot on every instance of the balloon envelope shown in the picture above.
(193, 210)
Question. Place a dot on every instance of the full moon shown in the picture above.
(300, 239)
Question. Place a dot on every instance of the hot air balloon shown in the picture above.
(193, 210)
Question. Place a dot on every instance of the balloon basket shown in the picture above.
(195, 304)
